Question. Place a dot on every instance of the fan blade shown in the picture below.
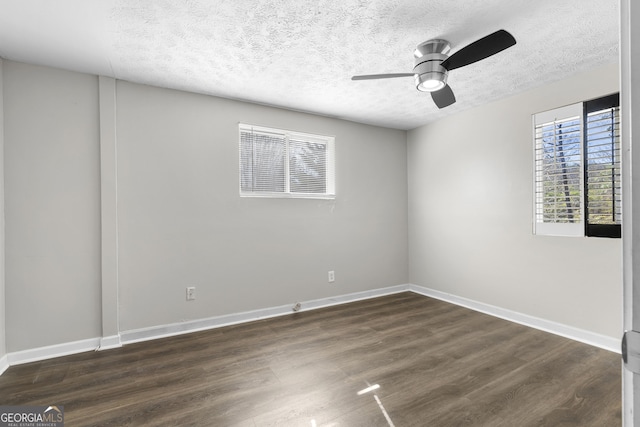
(443, 97)
(382, 76)
(480, 49)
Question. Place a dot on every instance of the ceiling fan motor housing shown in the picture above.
(430, 76)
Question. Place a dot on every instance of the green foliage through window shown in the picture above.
(603, 176)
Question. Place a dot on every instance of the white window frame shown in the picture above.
(575, 229)
(328, 141)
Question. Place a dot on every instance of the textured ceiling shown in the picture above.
(301, 54)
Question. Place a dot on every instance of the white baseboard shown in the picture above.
(173, 329)
(49, 352)
(576, 334)
(107, 343)
(357, 296)
(162, 331)
(4, 364)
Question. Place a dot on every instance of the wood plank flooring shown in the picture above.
(436, 364)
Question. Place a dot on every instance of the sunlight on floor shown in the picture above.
(378, 401)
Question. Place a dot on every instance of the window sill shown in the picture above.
(265, 195)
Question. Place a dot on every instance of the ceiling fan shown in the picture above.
(432, 64)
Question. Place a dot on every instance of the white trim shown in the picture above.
(561, 113)
(107, 343)
(574, 229)
(4, 363)
(356, 296)
(49, 352)
(630, 123)
(108, 205)
(279, 131)
(576, 334)
(155, 332)
(287, 195)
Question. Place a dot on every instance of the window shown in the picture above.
(577, 170)
(278, 163)
(603, 176)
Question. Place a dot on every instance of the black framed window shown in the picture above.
(602, 167)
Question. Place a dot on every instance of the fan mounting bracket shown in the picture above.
(429, 47)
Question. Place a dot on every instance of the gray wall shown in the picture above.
(52, 205)
(470, 215)
(181, 221)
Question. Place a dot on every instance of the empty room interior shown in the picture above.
(356, 213)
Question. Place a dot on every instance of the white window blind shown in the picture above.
(558, 172)
(279, 163)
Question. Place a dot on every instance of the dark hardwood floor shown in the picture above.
(436, 364)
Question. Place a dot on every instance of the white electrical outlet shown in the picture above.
(332, 276)
(191, 293)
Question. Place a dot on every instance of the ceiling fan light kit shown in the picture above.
(430, 82)
(432, 64)
(430, 75)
